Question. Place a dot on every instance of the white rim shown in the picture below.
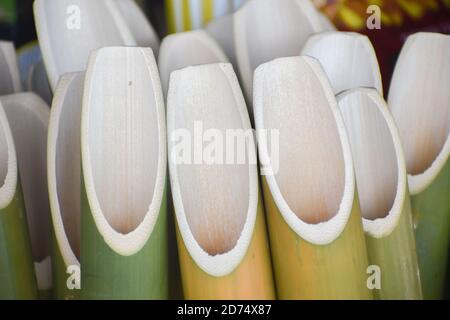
(68, 255)
(325, 232)
(382, 227)
(9, 185)
(131, 243)
(222, 264)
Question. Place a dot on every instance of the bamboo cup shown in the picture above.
(221, 231)
(383, 193)
(348, 59)
(123, 198)
(316, 233)
(64, 176)
(28, 117)
(420, 103)
(17, 277)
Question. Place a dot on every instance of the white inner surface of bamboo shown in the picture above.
(123, 136)
(311, 175)
(374, 154)
(30, 138)
(215, 197)
(6, 81)
(348, 59)
(420, 98)
(68, 163)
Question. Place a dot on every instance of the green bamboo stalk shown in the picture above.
(431, 211)
(17, 277)
(221, 232)
(63, 174)
(28, 116)
(123, 250)
(386, 207)
(419, 102)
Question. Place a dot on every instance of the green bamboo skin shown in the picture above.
(396, 256)
(307, 271)
(431, 210)
(60, 275)
(251, 280)
(106, 274)
(17, 277)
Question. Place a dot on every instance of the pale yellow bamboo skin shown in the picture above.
(251, 280)
(308, 271)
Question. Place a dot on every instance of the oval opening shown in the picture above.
(123, 136)
(215, 197)
(311, 168)
(374, 154)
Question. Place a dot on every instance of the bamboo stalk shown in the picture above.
(268, 29)
(17, 277)
(185, 49)
(10, 80)
(64, 174)
(348, 59)
(420, 104)
(63, 26)
(221, 231)
(28, 116)
(316, 233)
(123, 152)
(37, 82)
(383, 192)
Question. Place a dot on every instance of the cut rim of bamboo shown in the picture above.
(141, 28)
(221, 264)
(285, 42)
(343, 55)
(418, 182)
(65, 118)
(8, 63)
(20, 109)
(324, 232)
(185, 49)
(54, 17)
(378, 227)
(8, 174)
(130, 242)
